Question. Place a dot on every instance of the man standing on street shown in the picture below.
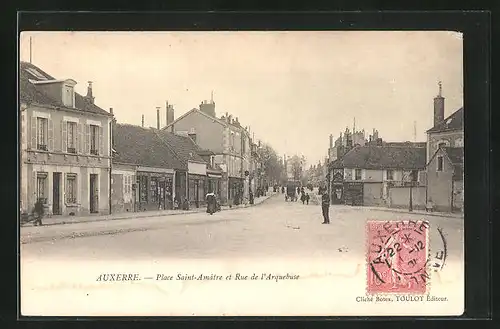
(325, 206)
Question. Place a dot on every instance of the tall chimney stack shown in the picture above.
(143, 121)
(439, 106)
(158, 118)
(331, 140)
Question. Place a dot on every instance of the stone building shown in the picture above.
(65, 146)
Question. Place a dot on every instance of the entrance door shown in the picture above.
(56, 194)
(197, 193)
(94, 194)
(161, 195)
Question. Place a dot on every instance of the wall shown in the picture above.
(452, 137)
(197, 168)
(209, 133)
(374, 175)
(458, 195)
(399, 197)
(122, 194)
(439, 183)
(372, 194)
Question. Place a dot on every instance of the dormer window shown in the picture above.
(68, 95)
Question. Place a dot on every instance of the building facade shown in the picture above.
(65, 146)
(226, 138)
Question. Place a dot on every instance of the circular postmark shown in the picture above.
(399, 256)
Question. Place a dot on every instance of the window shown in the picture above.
(71, 137)
(71, 189)
(127, 184)
(94, 140)
(357, 174)
(459, 142)
(443, 143)
(41, 180)
(154, 190)
(68, 96)
(439, 163)
(143, 188)
(390, 174)
(414, 176)
(41, 135)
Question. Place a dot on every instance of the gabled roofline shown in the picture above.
(64, 108)
(434, 155)
(195, 110)
(445, 119)
(45, 82)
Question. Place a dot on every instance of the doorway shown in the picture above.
(56, 193)
(94, 194)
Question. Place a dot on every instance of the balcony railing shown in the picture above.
(42, 147)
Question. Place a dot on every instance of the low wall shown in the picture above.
(399, 197)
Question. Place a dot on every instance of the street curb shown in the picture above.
(415, 213)
(149, 216)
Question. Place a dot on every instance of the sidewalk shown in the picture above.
(406, 211)
(60, 220)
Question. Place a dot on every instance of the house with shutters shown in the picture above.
(65, 145)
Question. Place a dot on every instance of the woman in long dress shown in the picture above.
(211, 203)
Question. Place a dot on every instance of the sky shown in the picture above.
(293, 89)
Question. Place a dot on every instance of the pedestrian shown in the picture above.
(325, 207)
(303, 198)
(38, 212)
(211, 203)
(307, 198)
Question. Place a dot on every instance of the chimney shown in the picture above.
(331, 140)
(143, 121)
(90, 98)
(208, 107)
(158, 118)
(170, 114)
(439, 106)
(113, 123)
(192, 134)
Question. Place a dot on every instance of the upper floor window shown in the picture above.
(414, 176)
(41, 135)
(439, 163)
(390, 174)
(68, 97)
(71, 145)
(94, 140)
(459, 142)
(357, 174)
(443, 143)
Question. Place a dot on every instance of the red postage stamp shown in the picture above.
(397, 257)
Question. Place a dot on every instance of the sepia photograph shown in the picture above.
(241, 173)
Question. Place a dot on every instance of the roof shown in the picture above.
(406, 144)
(382, 157)
(183, 147)
(455, 154)
(32, 93)
(453, 122)
(195, 110)
(142, 146)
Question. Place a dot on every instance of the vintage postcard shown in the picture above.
(241, 173)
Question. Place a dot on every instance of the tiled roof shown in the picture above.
(142, 146)
(30, 93)
(183, 147)
(405, 144)
(453, 122)
(382, 157)
(455, 154)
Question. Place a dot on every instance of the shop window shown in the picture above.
(71, 188)
(154, 189)
(143, 188)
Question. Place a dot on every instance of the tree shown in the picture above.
(272, 164)
(297, 164)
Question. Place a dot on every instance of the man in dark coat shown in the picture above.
(325, 206)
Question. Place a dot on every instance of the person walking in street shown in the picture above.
(211, 203)
(307, 198)
(303, 198)
(325, 207)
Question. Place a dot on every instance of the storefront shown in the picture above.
(196, 190)
(153, 190)
(214, 184)
(235, 189)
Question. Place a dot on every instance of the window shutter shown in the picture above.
(363, 174)
(101, 141)
(64, 136)
(33, 132)
(87, 139)
(78, 137)
(50, 141)
(34, 189)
